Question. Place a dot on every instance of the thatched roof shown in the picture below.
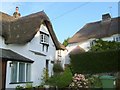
(99, 29)
(10, 55)
(76, 50)
(62, 47)
(22, 30)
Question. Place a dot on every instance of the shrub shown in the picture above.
(61, 80)
(94, 81)
(19, 87)
(29, 85)
(57, 68)
(44, 76)
(79, 81)
(95, 62)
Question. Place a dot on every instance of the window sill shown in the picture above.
(20, 82)
(44, 43)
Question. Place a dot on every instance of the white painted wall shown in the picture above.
(62, 58)
(39, 61)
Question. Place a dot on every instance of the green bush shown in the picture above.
(57, 68)
(29, 86)
(94, 81)
(44, 76)
(19, 87)
(95, 62)
(61, 80)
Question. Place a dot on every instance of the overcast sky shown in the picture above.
(66, 17)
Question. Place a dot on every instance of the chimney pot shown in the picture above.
(106, 16)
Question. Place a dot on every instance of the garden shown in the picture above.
(86, 70)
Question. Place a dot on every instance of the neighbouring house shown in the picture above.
(105, 29)
(27, 45)
(60, 58)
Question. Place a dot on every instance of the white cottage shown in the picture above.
(27, 46)
(106, 29)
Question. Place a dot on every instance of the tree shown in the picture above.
(101, 45)
(65, 42)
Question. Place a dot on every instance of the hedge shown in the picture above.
(95, 62)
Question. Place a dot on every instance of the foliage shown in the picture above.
(19, 87)
(101, 45)
(61, 80)
(65, 42)
(28, 85)
(79, 81)
(57, 68)
(94, 81)
(45, 76)
(95, 62)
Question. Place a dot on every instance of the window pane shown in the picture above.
(41, 38)
(113, 38)
(44, 38)
(21, 72)
(117, 39)
(14, 72)
(28, 72)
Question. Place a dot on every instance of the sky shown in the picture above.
(66, 17)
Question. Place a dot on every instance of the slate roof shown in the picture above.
(10, 55)
(99, 29)
(23, 29)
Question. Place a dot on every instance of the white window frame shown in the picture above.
(28, 76)
(12, 72)
(44, 38)
(18, 73)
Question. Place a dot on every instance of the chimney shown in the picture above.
(17, 9)
(16, 14)
(106, 17)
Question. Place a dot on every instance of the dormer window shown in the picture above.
(44, 38)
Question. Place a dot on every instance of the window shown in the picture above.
(44, 38)
(28, 72)
(14, 72)
(117, 39)
(20, 72)
(59, 54)
(92, 43)
(45, 47)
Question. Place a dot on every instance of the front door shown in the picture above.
(47, 69)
